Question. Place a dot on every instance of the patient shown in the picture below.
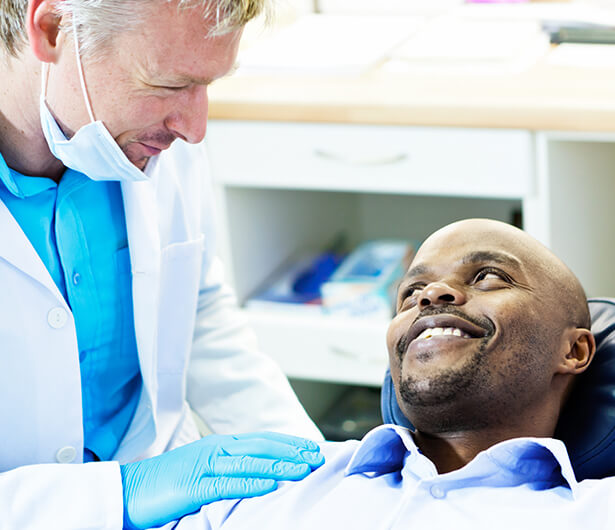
(491, 330)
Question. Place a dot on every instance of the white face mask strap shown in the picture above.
(81, 77)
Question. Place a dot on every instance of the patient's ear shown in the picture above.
(580, 346)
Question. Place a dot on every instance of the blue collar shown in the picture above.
(23, 186)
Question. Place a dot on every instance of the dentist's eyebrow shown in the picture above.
(190, 80)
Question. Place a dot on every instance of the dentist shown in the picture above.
(115, 323)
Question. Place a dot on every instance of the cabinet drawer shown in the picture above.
(367, 158)
(324, 348)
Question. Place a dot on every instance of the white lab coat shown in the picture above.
(191, 344)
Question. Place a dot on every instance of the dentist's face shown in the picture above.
(150, 86)
(477, 324)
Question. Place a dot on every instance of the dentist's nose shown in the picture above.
(440, 293)
(188, 121)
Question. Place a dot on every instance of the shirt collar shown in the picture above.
(22, 186)
(383, 449)
(541, 460)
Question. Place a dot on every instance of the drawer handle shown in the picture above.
(361, 159)
(347, 354)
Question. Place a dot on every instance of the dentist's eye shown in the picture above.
(168, 88)
(175, 88)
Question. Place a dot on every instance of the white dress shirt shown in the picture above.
(384, 482)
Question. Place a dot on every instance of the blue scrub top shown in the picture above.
(78, 229)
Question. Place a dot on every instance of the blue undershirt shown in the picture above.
(78, 229)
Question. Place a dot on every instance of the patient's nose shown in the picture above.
(440, 293)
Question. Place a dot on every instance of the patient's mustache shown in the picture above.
(482, 322)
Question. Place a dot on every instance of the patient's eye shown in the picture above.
(491, 278)
(408, 295)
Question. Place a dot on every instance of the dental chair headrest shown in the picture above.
(587, 423)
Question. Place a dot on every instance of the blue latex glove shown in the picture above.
(166, 487)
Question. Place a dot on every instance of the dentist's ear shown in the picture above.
(580, 349)
(43, 29)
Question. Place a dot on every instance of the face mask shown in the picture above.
(92, 150)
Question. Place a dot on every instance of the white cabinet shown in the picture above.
(287, 188)
(375, 159)
(572, 206)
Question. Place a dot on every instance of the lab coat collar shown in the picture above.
(141, 212)
(15, 247)
(144, 245)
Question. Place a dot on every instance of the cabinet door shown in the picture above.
(381, 159)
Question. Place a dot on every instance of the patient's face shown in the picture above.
(477, 325)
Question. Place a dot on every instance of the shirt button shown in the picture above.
(66, 455)
(437, 492)
(57, 317)
(76, 278)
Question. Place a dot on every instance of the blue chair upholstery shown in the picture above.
(587, 423)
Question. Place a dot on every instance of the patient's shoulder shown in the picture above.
(287, 498)
(337, 452)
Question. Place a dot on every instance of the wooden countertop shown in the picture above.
(544, 97)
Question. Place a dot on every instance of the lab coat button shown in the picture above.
(57, 317)
(76, 278)
(66, 455)
(437, 492)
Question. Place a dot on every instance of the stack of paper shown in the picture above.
(388, 7)
(457, 45)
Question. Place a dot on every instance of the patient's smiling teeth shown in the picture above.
(434, 332)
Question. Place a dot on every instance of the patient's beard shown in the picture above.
(448, 384)
(442, 398)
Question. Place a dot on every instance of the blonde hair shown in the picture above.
(12, 17)
(98, 20)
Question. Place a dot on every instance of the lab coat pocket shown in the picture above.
(180, 273)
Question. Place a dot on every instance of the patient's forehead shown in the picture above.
(453, 242)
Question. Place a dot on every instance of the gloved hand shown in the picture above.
(166, 487)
